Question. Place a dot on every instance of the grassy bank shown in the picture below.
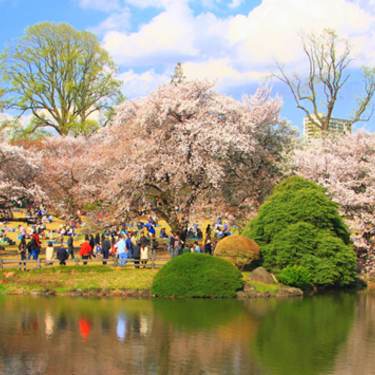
(64, 279)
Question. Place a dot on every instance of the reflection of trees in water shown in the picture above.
(304, 336)
(165, 336)
(357, 354)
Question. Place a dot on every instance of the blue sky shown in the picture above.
(233, 42)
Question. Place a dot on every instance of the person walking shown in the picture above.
(85, 250)
(171, 244)
(106, 246)
(136, 255)
(62, 255)
(177, 246)
(144, 255)
(121, 250)
(70, 247)
(49, 254)
(129, 246)
(35, 246)
(22, 250)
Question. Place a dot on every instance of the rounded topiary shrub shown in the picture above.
(239, 250)
(197, 275)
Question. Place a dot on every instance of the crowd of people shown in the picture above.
(121, 242)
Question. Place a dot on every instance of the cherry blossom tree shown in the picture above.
(177, 147)
(20, 172)
(65, 168)
(345, 166)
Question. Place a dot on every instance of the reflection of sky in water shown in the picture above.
(121, 326)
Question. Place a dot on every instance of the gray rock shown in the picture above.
(77, 293)
(242, 295)
(295, 292)
(261, 275)
(145, 293)
(131, 292)
(37, 292)
(248, 287)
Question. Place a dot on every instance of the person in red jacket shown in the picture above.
(85, 250)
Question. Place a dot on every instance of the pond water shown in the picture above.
(330, 334)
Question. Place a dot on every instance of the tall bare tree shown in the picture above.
(317, 93)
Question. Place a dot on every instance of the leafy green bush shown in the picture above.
(299, 226)
(197, 275)
(298, 277)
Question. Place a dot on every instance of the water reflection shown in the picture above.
(320, 335)
(303, 336)
(121, 327)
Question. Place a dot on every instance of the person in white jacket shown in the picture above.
(144, 255)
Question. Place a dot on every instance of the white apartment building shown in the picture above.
(310, 130)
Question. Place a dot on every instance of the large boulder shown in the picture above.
(239, 250)
(261, 275)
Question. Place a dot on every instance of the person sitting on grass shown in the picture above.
(197, 249)
(186, 250)
(62, 255)
(163, 234)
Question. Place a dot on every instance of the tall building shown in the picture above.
(310, 130)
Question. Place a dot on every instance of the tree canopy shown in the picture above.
(60, 75)
(175, 146)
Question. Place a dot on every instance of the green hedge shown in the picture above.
(197, 275)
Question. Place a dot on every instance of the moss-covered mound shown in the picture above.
(239, 250)
(197, 275)
(299, 226)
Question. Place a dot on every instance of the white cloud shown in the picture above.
(235, 49)
(116, 21)
(137, 85)
(235, 3)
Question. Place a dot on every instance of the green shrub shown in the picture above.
(298, 277)
(299, 226)
(197, 275)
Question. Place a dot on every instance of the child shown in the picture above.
(98, 249)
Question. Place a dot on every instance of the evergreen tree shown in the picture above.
(299, 226)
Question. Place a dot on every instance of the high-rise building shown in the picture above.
(310, 130)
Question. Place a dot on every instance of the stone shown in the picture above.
(295, 292)
(248, 287)
(36, 292)
(242, 295)
(7, 275)
(131, 292)
(145, 293)
(261, 275)
(77, 293)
